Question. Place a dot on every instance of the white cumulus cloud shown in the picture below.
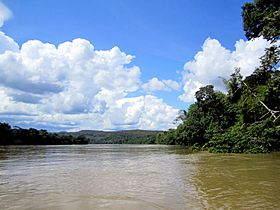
(155, 84)
(144, 111)
(75, 86)
(215, 61)
(7, 43)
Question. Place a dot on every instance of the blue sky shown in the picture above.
(163, 35)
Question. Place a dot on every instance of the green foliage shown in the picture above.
(234, 85)
(260, 137)
(272, 93)
(262, 18)
(232, 124)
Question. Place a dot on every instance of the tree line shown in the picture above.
(31, 136)
(118, 137)
(247, 117)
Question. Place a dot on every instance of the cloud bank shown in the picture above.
(215, 61)
(74, 86)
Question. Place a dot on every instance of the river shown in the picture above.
(132, 177)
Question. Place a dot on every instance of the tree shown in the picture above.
(205, 94)
(5, 133)
(262, 18)
(234, 85)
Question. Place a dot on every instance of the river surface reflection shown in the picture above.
(135, 177)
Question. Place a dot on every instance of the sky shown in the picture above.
(113, 65)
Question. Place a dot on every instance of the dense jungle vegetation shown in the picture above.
(247, 117)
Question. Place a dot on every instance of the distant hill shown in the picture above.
(117, 137)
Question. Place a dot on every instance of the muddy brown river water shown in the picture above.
(135, 177)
